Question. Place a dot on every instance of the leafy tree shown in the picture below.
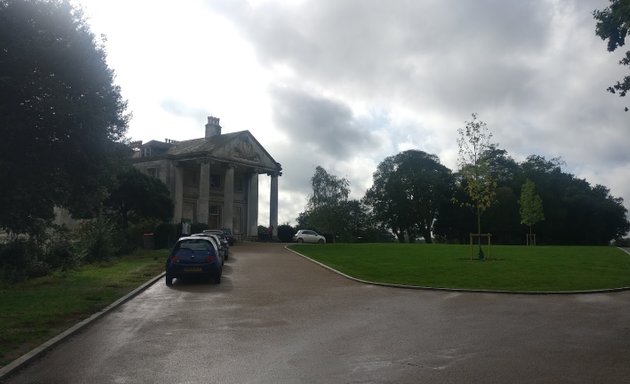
(136, 196)
(60, 114)
(613, 24)
(502, 218)
(356, 220)
(408, 191)
(473, 140)
(327, 205)
(531, 208)
(575, 212)
(387, 200)
(455, 221)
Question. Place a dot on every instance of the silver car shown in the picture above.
(308, 236)
(222, 251)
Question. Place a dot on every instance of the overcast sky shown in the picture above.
(345, 83)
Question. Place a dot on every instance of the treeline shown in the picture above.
(417, 198)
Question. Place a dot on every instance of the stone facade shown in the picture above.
(213, 180)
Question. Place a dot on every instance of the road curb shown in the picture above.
(36, 352)
(418, 287)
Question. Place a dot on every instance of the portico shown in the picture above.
(214, 180)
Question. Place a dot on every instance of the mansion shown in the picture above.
(214, 179)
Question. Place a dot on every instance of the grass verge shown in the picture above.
(511, 268)
(36, 310)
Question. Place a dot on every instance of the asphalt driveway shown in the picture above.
(278, 318)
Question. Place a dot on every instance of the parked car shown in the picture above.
(227, 232)
(221, 245)
(194, 256)
(224, 241)
(308, 236)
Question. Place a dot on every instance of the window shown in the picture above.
(238, 183)
(215, 181)
(214, 218)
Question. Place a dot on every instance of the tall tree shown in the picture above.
(502, 218)
(531, 208)
(408, 192)
(60, 113)
(473, 140)
(613, 24)
(327, 205)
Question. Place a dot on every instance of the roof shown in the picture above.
(201, 145)
(235, 147)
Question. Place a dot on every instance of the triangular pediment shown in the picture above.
(245, 149)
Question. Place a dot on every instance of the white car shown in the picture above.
(308, 236)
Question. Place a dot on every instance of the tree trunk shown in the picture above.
(481, 255)
(427, 236)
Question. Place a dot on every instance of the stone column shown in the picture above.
(273, 204)
(204, 192)
(178, 195)
(252, 206)
(228, 198)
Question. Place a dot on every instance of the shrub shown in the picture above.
(165, 235)
(285, 233)
(98, 240)
(59, 250)
(135, 233)
(262, 233)
(15, 260)
(38, 268)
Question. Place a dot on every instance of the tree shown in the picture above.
(473, 140)
(531, 208)
(136, 196)
(60, 114)
(575, 212)
(326, 206)
(613, 24)
(408, 192)
(502, 218)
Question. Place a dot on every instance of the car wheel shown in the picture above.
(321, 241)
(227, 255)
(169, 280)
(217, 279)
(300, 240)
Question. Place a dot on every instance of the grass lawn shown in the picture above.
(512, 268)
(39, 309)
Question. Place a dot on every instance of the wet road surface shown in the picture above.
(278, 318)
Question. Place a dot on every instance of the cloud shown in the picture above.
(344, 84)
(323, 126)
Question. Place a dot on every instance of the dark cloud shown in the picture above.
(321, 126)
(451, 50)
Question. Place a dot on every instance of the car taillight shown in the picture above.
(210, 259)
(174, 259)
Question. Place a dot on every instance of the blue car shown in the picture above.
(194, 256)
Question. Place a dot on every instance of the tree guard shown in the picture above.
(479, 236)
(530, 239)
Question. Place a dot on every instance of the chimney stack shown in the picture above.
(213, 128)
